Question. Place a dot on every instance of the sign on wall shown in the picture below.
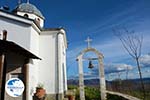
(14, 87)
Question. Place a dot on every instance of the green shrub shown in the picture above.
(93, 93)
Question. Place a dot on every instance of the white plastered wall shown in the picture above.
(34, 63)
(47, 70)
(53, 54)
(62, 67)
(16, 31)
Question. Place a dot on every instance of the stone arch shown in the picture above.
(101, 73)
(100, 55)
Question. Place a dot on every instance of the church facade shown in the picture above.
(24, 26)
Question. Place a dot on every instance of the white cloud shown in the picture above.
(114, 68)
(109, 69)
(145, 60)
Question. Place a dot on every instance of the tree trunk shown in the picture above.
(141, 79)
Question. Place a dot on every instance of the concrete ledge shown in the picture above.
(123, 95)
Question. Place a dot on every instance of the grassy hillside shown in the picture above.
(92, 93)
(130, 87)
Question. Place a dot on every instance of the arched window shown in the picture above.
(26, 15)
(3, 35)
(38, 21)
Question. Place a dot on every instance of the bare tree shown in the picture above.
(132, 44)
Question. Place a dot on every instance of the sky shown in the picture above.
(97, 19)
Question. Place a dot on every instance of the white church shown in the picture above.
(32, 53)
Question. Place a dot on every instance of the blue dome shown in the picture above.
(29, 8)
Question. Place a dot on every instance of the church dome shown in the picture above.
(28, 8)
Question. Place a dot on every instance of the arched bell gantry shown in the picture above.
(101, 72)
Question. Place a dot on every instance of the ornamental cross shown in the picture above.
(88, 40)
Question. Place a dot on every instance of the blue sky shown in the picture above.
(96, 19)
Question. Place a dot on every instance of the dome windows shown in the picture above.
(30, 11)
(26, 15)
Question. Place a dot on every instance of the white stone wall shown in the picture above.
(63, 58)
(64, 62)
(34, 41)
(16, 31)
(65, 69)
(34, 63)
(61, 63)
(53, 54)
(47, 72)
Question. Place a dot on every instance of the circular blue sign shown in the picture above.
(14, 87)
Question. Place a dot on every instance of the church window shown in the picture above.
(26, 15)
(3, 35)
(37, 21)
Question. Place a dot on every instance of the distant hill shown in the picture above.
(96, 81)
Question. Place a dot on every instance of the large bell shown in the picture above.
(90, 65)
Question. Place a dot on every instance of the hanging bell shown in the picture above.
(90, 65)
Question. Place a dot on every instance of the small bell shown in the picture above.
(90, 65)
